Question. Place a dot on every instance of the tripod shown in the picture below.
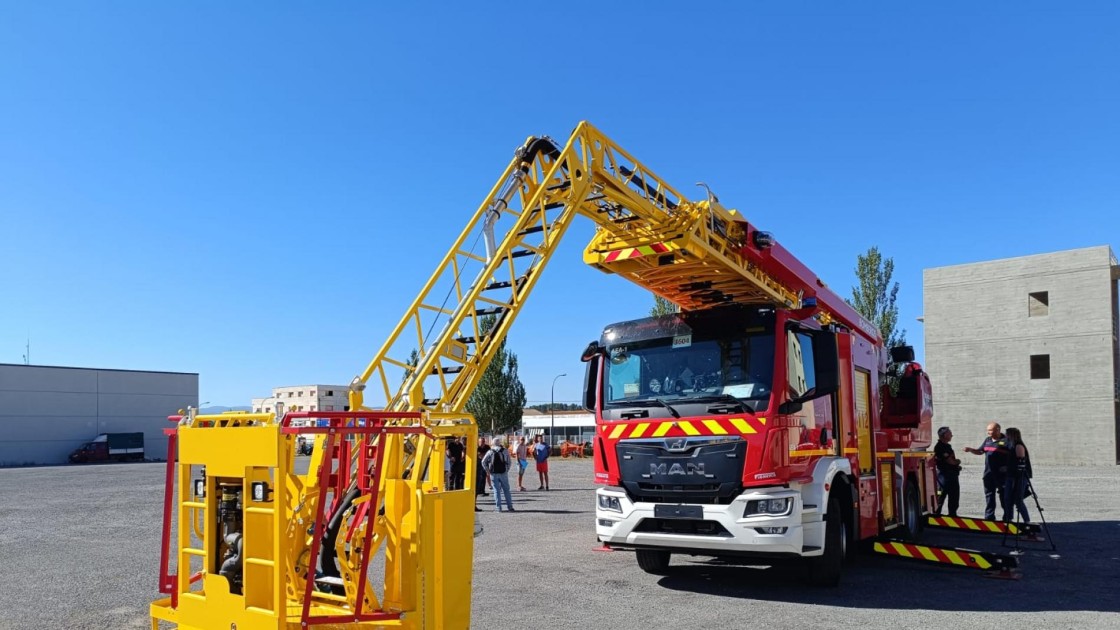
(1019, 522)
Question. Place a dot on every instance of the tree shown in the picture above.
(413, 361)
(874, 298)
(499, 398)
(661, 306)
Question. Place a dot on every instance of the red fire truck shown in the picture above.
(758, 431)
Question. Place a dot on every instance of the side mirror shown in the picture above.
(593, 349)
(591, 380)
(826, 363)
(790, 406)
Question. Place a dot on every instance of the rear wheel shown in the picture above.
(912, 511)
(653, 561)
(825, 569)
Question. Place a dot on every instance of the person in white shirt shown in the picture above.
(522, 452)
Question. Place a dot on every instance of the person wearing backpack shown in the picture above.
(497, 463)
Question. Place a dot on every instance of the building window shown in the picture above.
(312, 407)
(312, 392)
(301, 394)
(1038, 304)
(290, 394)
(330, 392)
(1040, 366)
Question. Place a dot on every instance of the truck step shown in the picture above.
(951, 556)
(983, 526)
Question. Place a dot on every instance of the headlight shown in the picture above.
(610, 503)
(769, 507)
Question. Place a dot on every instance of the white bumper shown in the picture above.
(803, 534)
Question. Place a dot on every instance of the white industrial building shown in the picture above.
(304, 398)
(47, 412)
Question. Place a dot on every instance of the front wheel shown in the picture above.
(825, 569)
(653, 561)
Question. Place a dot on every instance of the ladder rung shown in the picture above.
(194, 504)
(466, 340)
(260, 561)
(191, 551)
(454, 369)
(520, 253)
(497, 310)
(259, 510)
(505, 284)
(533, 229)
(430, 402)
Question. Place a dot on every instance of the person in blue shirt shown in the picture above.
(541, 451)
(996, 458)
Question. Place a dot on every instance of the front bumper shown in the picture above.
(721, 530)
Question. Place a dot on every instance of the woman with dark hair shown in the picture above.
(1018, 477)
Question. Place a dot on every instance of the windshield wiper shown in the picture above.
(657, 401)
(726, 398)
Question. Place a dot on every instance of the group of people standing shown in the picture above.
(1007, 472)
(495, 460)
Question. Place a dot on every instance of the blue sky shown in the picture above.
(256, 193)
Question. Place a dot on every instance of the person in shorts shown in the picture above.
(522, 453)
(541, 451)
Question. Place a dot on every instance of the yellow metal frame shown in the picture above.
(425, 532)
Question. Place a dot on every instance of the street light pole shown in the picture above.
(552, 412)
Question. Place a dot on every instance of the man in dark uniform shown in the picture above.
(948, 472)
(456, 452)
(996, 457)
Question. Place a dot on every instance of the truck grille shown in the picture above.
(693, 527)
(683, 470)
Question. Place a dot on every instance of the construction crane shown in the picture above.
(369, 536)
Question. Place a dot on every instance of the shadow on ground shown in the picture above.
(1080, 576)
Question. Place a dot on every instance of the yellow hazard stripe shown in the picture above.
(742, 426)
(901, 550)
(810, 452)
(687, 427)
(618, 430)
(639, 430)
(715, 427)
(662, 429)
(928, 554)
(992, 527)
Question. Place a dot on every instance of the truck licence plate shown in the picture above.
(678, 511)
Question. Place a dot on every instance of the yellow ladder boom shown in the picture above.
(648, 232)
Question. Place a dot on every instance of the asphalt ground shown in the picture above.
(79, 548)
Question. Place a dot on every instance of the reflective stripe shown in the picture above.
(715, 427)
(687, 427)
(618, 430)
(639, 430)
(742, 426)
(662, 429)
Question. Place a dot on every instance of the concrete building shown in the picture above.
(1029, 342)
(47, 412)
(305, 398)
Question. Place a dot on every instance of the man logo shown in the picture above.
(676, 445)
(676, 469)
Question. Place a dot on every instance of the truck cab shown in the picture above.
(734, 432)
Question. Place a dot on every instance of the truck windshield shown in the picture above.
(679, 369)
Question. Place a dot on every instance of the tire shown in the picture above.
(912, 512)
(825, 569)
(653, 561)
